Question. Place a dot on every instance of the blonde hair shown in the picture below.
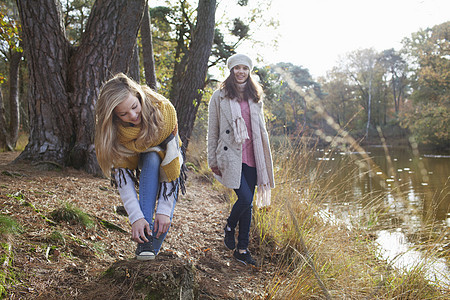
(109, 151)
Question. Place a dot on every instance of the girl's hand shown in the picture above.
(138, 229)
(216, 171)
(162, 224)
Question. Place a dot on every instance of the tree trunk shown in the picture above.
(134, 71)
(14, 116)
(3, 132)
(47, 52)
(62, 102)
(9, 134)
(179, 67)
(193, 81)
(394, 91)
(369, 106)
(147, 50)
(106, 48)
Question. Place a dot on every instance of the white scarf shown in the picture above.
(263, 192)
(239, 127)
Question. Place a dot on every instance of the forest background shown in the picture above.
(405, 92)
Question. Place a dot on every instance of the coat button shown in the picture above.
(225, 148)
(227, 132)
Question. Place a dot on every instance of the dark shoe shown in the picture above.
(145, 250)
(229, 239)
(244, 258)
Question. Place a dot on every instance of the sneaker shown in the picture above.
(145, 250)
(244, 258)
(229, 238)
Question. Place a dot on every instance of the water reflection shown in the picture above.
(405, 197)
(396, 250)
(414, 190)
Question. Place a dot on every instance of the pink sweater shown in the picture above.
(248, 156)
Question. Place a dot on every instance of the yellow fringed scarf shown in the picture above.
(170, 154)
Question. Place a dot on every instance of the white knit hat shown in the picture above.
(239, 59)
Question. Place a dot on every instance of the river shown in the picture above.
(404, 198)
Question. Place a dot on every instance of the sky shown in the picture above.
(316, 33)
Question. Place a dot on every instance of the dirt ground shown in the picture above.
(50, 260)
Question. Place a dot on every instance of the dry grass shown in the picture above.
(320, 256)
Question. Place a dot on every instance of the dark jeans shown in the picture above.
(242, 209)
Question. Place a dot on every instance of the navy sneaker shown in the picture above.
(229, 238)
(244, 258)
(145, 251)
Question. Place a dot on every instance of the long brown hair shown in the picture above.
(109, 151)
(252, 89)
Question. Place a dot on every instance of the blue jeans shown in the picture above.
(148, 192)
(242, 209)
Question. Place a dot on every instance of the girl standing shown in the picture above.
(238, 149)
(136, 141)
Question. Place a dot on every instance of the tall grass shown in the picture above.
(311, 248)
(320, 255)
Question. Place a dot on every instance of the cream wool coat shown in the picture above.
(223, 151)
